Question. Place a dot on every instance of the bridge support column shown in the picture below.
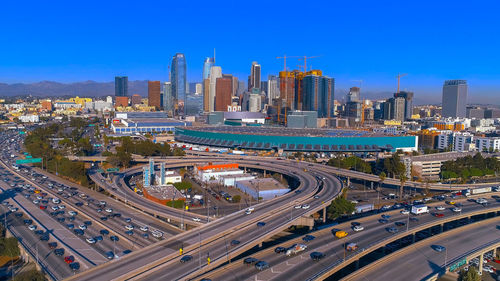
(357, 264)
(495, 252)
(260, 245)
(264, 173)
(441, 228)
(481, 264)
(413, 238)
(281, 175)
(348, 181)
(245, 168)
(324, 214)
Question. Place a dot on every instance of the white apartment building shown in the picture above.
(487, 144)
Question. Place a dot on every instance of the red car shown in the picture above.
(69, 259)
(43, 207)
(438, 215)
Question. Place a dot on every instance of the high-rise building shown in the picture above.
(215, 72)
(408, 96)
(121, 86)
(353, 109)
(241, 88)
(154, 94)
(394, 109)
(121, 101)
(273, 90)
(254, 103)
(194, 103)
(235, 85)
(206, 95)
(492, 113)
(223, 93)
(178, 79)
(318, 94)
(287, 88)
(254, 80)
(207, 64)
(199, 88)
(454, 98)
(168, 99)
(354, 94)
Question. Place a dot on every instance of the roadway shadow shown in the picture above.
(435, 269)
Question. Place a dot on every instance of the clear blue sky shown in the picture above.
(432, 41)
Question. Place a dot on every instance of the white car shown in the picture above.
(405, 212)
(61, 207)
(144, 228)
(36, 201)
(196, 219)
(358, 228)
(32, 227)
(305, 206)
(72, 213)
(298, 206)
(55, 208)
(248, 212)
(251, 209)
(129, 227)
(440, 208)
(109, 210)
(82, 227)
(457, 209)
(157, 234)
(90, 240)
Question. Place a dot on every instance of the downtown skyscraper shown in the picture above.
(254, 78)
(178, 80)
(207, 64)
(454, 98)
(121, 86)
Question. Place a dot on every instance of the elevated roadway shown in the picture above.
(211, 239)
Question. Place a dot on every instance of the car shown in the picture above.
(128, 220)
(340, 234)
(79, 204)
(69, 259)
(438, 248)
(451, 202)
(250, 260)
(98, 210)
(72, 213)
(104, 218)
(440, 208)
(78, 231)
(87, 223)
(55, 208)
(391, 229)
(36, 201)
(114, 238)
(405, 212)
(32, 227)
(235, 242)
(145, 235)
(386, 217)
(157, 234)
(98, 238)
(248, 212)
(52, 245)
(28, 221)
(82, 227)
(357, 228)
(413, 219)
(70, 226)
(117, 215)
(39, 232)
(109, 255)
(316, 196)
(90, 240)
(298, 191)
(439, 215)
(306, 206)
(316, 256)
(129, 232)
(104, 232)
(308, 238)
(251, 209)
(74, 266)
(144, 228)
(383, 221)
(186, 258)
(400, 223)
(61, 207)
(108, 210)
(62, 219)
(71, 218)
(43, 207)
(59, 252)
(279, 250)
(44, 237)
(456, 209)
(129, 227)
(261, 224)
(261, 265)
(196, 219)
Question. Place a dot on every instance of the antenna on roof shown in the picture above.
(214, 56)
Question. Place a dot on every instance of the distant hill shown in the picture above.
(83, 89)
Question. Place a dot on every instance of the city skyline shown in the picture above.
(426, 49)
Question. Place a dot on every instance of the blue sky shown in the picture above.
(432, 41)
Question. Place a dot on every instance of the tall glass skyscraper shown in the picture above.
(207, 64)
(454, 98)
(178, 79)
(121, 86)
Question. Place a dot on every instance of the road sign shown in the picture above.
(28, 161)
(97, 145)
(22, 132)
(26, 153)
(110, 170)
(100, 171)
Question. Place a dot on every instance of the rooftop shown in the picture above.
(263, 184)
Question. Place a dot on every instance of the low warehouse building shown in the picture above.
(265, 188)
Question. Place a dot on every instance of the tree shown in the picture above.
(469, 275)
(236, 199)
(340, 206)
(31, 275)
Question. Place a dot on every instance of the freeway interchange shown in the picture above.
(154, 258)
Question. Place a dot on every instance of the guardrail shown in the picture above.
(330, 269)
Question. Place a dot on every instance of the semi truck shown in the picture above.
(419, 209)
(294, 249)
(364, 208)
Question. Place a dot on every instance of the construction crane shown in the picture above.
(284, 57)
(305, 58)
(399, 78)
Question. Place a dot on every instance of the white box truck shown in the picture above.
(419, 209)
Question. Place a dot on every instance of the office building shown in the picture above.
(353, 109)
(178, 80)
(194, 104)
(223, 93)
(121, 86)
(207, 64)
(215, 72)
(318, 94)
(206, 95)
(135, 99)
(353, 95)
(121, 101)
(475, 112)
(241, 88)
(394, 109)
(408, 108)
(168, 99)
(273, 90)
(254, 103)
(254, 79)
(154, 94)
(454, 98)
(492, 113)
